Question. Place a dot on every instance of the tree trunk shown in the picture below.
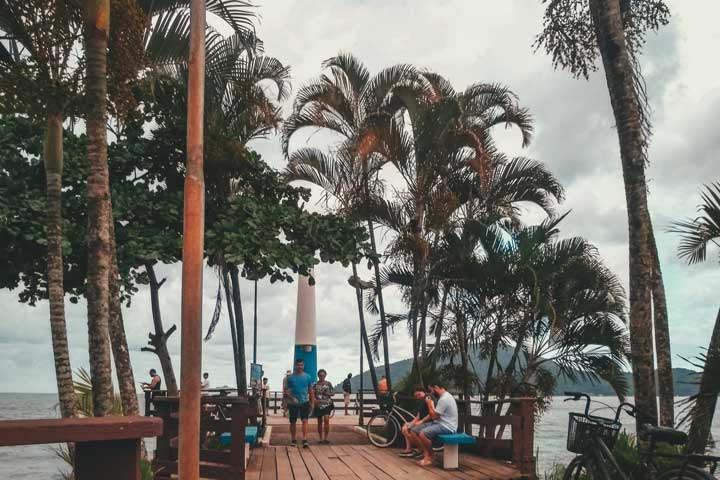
(53, 158)
(240, 330)
(626, 108)
(118, 340)
(96, 14)
(704, 408)
(663, 352)
(381, 306)
(233, 333)
(364, 335)
(439, 328)
(158, 340)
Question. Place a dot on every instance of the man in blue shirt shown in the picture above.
(299, 393)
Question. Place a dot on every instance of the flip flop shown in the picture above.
(425, 463)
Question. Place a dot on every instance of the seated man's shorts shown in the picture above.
(301, 410)
(433, 429)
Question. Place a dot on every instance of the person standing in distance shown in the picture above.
(284, 395)
(205, 385)
(347, 391)
(300, 395)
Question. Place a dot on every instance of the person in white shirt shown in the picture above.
(444, 415)
(205, 385)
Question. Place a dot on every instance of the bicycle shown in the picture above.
(385, 425)
(593, 438)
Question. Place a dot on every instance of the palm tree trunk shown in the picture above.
(118, 340)
(663, 352)
(439, 328)
(233, 332)
(158, 340)
(704, 408)
(240, 329)
(626, 108)
(381, 306)
(96, 14)
(53, 158)
(364, 335)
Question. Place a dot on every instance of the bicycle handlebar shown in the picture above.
(629, 408)
(577, 396)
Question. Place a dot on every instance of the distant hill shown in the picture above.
(684, 379)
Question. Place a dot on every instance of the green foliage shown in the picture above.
(38, 75)
(568, 33)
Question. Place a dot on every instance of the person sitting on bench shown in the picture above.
(444, 417)
(412, 447)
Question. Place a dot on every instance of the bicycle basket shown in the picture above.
(582, 428)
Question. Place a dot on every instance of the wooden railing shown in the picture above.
(218, 415)
(493, 428)
(106, 447)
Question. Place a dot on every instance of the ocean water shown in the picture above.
(39, 462)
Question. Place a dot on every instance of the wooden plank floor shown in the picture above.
(361, 462)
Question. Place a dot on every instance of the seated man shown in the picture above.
(412, 447)
(444, 417)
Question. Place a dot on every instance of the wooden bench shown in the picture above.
(451, 451)
(105, 447)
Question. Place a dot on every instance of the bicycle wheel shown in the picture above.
(685, 473)
(382, 430)
(579, 469)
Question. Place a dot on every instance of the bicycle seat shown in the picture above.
(664, 434)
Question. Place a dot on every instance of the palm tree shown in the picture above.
(343, 182)
(166, 46)
(96, 23)
(239, 108)
(446, 133)
(38, 79)
(551, 303)
(697, 234)
(343, 103)
(575, 32)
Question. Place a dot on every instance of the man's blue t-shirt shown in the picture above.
(299, 385)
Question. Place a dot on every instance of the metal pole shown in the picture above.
(255, 325)
(192, 266)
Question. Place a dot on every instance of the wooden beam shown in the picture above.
(56, 430)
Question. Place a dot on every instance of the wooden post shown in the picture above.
(239, 414)
(524, 455)
(192, 267)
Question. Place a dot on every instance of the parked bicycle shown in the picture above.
(386, 423)
(593, 438)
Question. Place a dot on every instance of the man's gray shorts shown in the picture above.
(432, 430)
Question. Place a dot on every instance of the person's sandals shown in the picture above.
(425, 463)
(409, 454)
(305, 444)
(293, 443)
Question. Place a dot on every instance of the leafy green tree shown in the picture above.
(38, 79)
(576, 33)
(697, 235)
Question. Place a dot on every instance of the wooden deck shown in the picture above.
(364, 462)
(351, 457)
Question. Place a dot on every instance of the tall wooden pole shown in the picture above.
(192, 267)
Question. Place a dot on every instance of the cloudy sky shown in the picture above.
(466, 41)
